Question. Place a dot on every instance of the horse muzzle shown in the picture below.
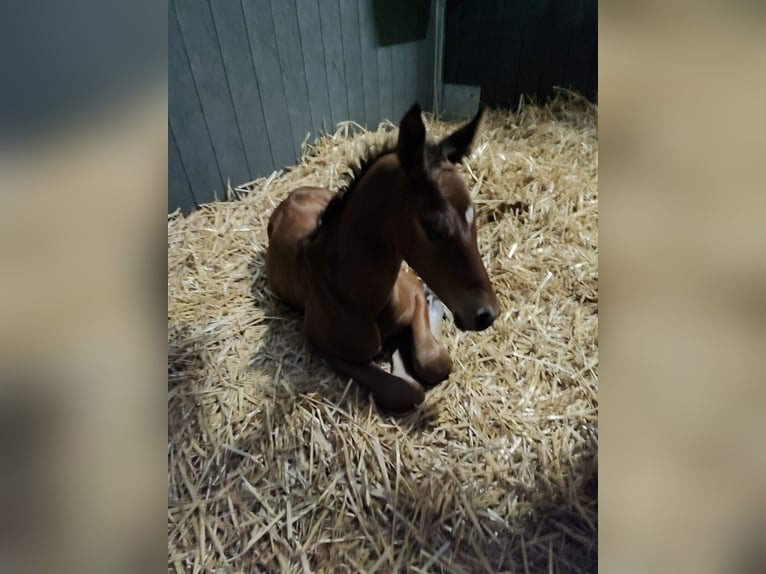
(476, 318)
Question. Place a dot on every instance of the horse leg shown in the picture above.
(430, 360)
(435, 313)
(391, 392)
(329, 334)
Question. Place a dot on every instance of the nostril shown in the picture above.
(484, 318)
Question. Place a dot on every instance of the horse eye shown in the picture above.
(432, 231)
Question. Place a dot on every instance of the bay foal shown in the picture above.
(338, 259)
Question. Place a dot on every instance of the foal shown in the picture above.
(338, 259)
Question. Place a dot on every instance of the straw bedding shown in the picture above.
(277, 464)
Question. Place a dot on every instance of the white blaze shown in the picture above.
(469, 215)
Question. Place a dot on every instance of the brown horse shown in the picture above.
(338, 259)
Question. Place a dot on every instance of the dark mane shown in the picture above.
(358, 169)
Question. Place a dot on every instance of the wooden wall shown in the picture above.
(249, 79)
(515, 47)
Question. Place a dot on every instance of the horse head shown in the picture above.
(437, 231)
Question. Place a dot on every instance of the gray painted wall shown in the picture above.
(248, 79)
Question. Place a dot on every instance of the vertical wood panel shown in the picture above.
(514, 47)
(179, 192)
(332, 41)
(399, 83)
(385, 82)
(494, 68)
(576, 61)
(186, 119)
(471, 34)
(201, 43)
(426, 63)
(553, 70)
(412, 73)
(349, 18)
(530, 45)
(293, 72)
(407, 76)
(588, 62)
(263, 49)
(245, 91)
(370, 82)
(513, 23)
(415, 64)
(310, 26)
(487, 53)
(548, 49)
(591, 90)
(394, 107)
(481, 54)
(249, 78)
(452, 42)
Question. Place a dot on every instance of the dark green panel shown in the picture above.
(491, 53)
(492, 91)
(509, 62)
(583, 60)
(542, 79)
(179, 192)
(533, 38)
(426, 63)
(349, 19)
(576, 62)
(201, 41)
(484, 50)
(332, 40)
(513, 47)
(592, 89)
(452, 42)
(263, 48)
(245, 93)
(400, 21)
(186, 119)
(314, 65)
(554, 70)
(471, 37)
(369, 49)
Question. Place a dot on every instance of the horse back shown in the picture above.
(294, 219)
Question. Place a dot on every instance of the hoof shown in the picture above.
(402, 399)
(436, 371)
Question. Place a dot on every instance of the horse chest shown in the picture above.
(400, 308)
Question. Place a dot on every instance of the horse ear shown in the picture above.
(458, 144)
(412, 138)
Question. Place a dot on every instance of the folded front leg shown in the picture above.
(339, 335)
(391, 393)
(430, 359)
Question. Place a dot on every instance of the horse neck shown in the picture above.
(364, 256)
